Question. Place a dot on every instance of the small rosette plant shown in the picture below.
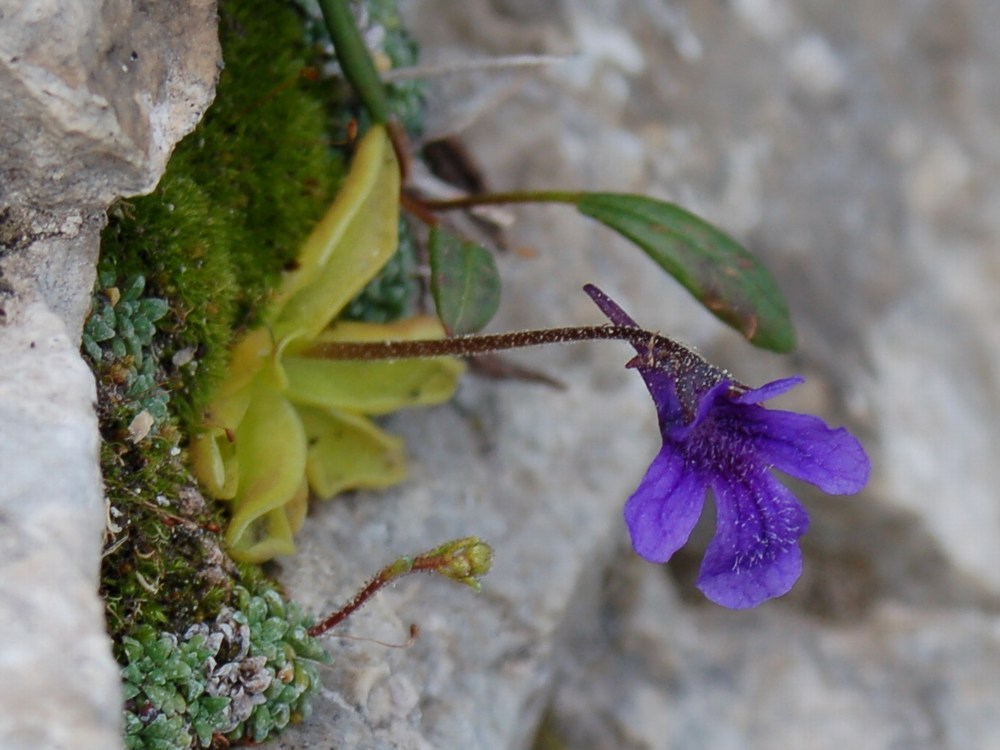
(282, 424)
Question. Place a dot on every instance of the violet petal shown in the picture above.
(663, 390)
(754, 555)
(665, 507)
(768, 390)
(804, 447)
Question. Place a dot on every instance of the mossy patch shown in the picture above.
(239, 196)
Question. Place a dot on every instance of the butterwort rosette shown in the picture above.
(717, 435)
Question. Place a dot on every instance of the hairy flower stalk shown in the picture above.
(473, 345)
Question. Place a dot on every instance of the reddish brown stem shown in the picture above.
(487, 343)
(356, 602)
(416, 207)
(463, 560)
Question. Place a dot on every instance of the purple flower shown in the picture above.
(717, 435)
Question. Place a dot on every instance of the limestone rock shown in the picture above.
(652, 672)
(97, 97)
(93, 98)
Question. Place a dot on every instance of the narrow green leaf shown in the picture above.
(464, 281)
(144, 330)
(354, 58)
(716, 269)
(132, 288)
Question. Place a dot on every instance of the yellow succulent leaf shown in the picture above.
(371, 387)
(298, 506)
(347, 451)
(416, 327)
(349, 246)
(271, 451)
(213, 459)
(281, 423)
(248, 357)
(272, 537)
(374, 387)
(213, 454)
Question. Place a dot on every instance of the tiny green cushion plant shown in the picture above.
(282, 424)
(245, 674)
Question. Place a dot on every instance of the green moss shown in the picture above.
(182, 269)
(243, 191)
(264, 151)
(238, 198)
(186, 267)
(172, 239)
(162, 562)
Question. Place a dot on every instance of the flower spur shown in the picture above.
(717, 435)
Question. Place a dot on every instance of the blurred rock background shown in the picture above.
(854, 146)
(93, 97)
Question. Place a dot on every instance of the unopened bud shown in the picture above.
(464, 560)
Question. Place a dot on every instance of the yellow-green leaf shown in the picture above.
(270, 535)
(373, 387)
(349, 246)
(271, 450)
(213, 459)
(347, 451)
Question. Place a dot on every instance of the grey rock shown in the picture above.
(852, 145)
(92, 100)
(654, 672)
(60, 679)
(99, 95)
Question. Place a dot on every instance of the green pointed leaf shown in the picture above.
(716, 269)
(132, 288)
(144, 330)
(99, 330)
(153, 308)
(464, 281)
